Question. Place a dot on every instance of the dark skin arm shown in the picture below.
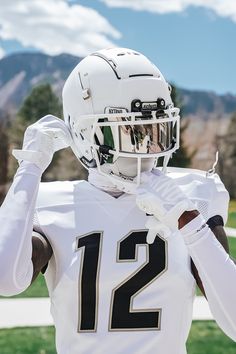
(41, 254)
(217, 230)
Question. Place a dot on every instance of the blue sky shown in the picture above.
(193, 46)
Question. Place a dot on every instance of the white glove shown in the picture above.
(160, 196)
(42, 139)
(156, 227)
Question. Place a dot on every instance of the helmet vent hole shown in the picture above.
(120, 54)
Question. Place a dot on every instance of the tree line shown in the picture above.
(42, 101)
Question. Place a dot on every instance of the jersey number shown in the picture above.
(122, 316)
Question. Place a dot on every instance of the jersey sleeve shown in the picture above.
(16, 219)
(218, 274)
(216, 270)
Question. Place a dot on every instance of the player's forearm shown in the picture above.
(16, 224)
(218, 274)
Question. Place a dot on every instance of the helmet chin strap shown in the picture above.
(119, 181)
(103, 182)
(125, 173)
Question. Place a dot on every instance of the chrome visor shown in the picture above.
(149, 136)
(146, 138)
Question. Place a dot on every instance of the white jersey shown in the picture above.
(110, 291)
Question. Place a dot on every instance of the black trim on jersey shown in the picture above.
(88, 281)
(124, 317)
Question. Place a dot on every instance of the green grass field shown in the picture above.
(232, 220)
(33, 340)
(37, 289)
(232, 214)
(205, 336)
(232, 223)
(232, 205)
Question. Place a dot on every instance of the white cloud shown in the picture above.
(224, 8)
(2, 52)
(54, 26)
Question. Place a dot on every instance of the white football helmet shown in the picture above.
(118, 107)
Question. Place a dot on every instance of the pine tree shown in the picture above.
(227, 158)
(181, 157)
(40, 102)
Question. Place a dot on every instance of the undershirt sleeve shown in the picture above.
(16, 220)
(218, 274)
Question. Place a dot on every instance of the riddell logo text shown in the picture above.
(149, 105)
(113, 110)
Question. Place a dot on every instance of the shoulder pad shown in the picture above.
(56, 193)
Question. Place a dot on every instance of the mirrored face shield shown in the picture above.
(136, 135)
(132, 135)
(145, 138)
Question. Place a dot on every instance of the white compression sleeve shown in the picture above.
(218, 274)
(16, 220)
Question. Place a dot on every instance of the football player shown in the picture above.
(115, 250)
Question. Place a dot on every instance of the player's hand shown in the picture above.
(160, 196)
(42, 139)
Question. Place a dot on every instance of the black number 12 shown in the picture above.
(122, 317)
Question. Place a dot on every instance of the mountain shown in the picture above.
(207, 103)
(22, 71)
(19, 73)
(207, 113)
